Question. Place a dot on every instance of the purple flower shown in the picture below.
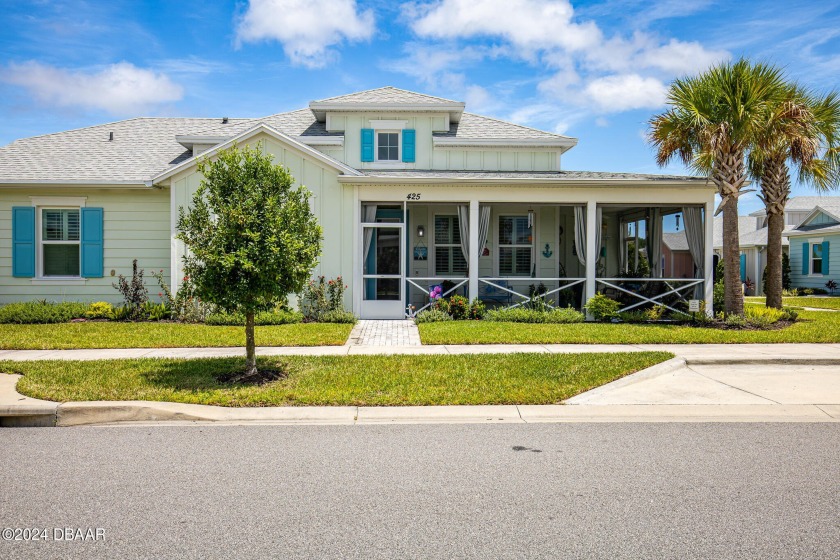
(437, 289)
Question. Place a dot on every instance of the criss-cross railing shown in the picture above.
(679, 291)
(503, 285)
(428, 284)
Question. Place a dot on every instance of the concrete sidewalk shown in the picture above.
(713, 353)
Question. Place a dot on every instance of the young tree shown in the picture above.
(252, 238)
(714, 121)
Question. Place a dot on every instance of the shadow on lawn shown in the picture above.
(209, 373)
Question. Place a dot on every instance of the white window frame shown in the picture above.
(451, 246)
(60, 203)
(499, 245)
(811, 244)
(39, 232)
(376, 133)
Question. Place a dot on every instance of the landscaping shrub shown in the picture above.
(602, 307)
(42, 311)
(459, 307)
(831, 285)
(791, 293)
(338, 316)
(719, 294)
(762, 317)
(100, 310)
(477, 309)
(278, 317)
(432, 316)
(134, 292)
(155, 311)
(184, 306)
(814, 292)
(322, 296)
(789, 314)
(633, 316)
(441, 305)
(524, 315)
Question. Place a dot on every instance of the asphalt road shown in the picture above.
(426, 491)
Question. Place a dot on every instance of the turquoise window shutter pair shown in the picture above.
(24, 242)
(409, 144)
(806, 258)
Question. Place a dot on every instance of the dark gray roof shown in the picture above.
(513, 175)
(142, 148)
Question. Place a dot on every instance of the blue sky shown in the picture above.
(593, 70)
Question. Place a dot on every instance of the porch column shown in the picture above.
(474, 250)
(708, 256)
(591, 250)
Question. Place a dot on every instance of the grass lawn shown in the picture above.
(803, 301)
(335, 380)
(813, 326)
(164, 335)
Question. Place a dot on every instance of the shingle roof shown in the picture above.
(477, 126)
(387, 94)
(823, 229)
(141, 148)
(746, 224)
(294, 123)
(676, 241)
(513, 175)
(805, 203)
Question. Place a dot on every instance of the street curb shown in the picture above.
(762, 361)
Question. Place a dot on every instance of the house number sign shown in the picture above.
(413, 196)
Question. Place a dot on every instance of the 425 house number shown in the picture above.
(413, 196)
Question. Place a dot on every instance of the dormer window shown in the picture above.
(387, 146)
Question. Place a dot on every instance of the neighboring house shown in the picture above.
(677, 261)
(411, 191)
(815, 246)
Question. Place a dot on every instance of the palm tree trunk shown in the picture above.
(729, 175)
(250, 347)
(775, 189)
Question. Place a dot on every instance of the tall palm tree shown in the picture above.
(805, 131)
(714, 121)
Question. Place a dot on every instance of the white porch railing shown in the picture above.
(657, 299)
(430, 282)
(496, 284)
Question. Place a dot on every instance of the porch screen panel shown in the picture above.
(449, 258)
(515, 246)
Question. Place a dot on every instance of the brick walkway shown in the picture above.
(385, 333)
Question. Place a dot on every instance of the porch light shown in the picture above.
(421, 231)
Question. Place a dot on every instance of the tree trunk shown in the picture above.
(729, 175)
(775, 189)
(250, 347)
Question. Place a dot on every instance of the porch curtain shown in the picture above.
(695, 235)
(622, 246)
(368, 218)
(580, 232)
(654, 242)
(464, 228)
(483, 227)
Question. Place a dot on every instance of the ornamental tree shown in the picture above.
(252, 239)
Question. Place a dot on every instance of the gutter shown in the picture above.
(523, 182)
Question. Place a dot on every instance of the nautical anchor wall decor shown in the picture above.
(547, 252)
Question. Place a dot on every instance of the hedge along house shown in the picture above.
(412, 192)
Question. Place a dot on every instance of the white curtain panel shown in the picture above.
(580, 233)
(599, 225)
(654, 242)
(464, 228)
(695, 235)
(368, 218)
(622, 246)
(483, 227)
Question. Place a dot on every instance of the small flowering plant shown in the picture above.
(435, 293)
(321, 296)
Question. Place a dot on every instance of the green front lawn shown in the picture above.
(336, 380)
(813, 326)
(164, 335)
(804, 301)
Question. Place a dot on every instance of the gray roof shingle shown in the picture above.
(477, 126)
(389, 95)
(676, 241)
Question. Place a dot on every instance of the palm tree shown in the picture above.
(714, 121)
(805, 131)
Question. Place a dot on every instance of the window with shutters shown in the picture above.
(387, 146)
(60, 241)
(816, 258)
(516, 246)
(449, 258)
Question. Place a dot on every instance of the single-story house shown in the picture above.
(412, 192)
(815, 247)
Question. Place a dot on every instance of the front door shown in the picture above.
(382, 271)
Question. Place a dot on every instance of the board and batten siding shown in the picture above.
(429, 157)
(136, 225)
(332, 204)
(797, 279)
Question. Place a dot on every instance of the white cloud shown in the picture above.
(119, 89)
(306, 28)
(679, 57)
(618, 93)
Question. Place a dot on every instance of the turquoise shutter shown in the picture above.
(743, 267)
(367, 144)
(806, 258)
(825, 269)
(91, 241)
(408, 145)
(23, 241)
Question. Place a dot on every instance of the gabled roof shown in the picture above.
(746, 224)
(831, 209)
(676, 241)
(803, 204)
(387, 99)
(474, 127)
